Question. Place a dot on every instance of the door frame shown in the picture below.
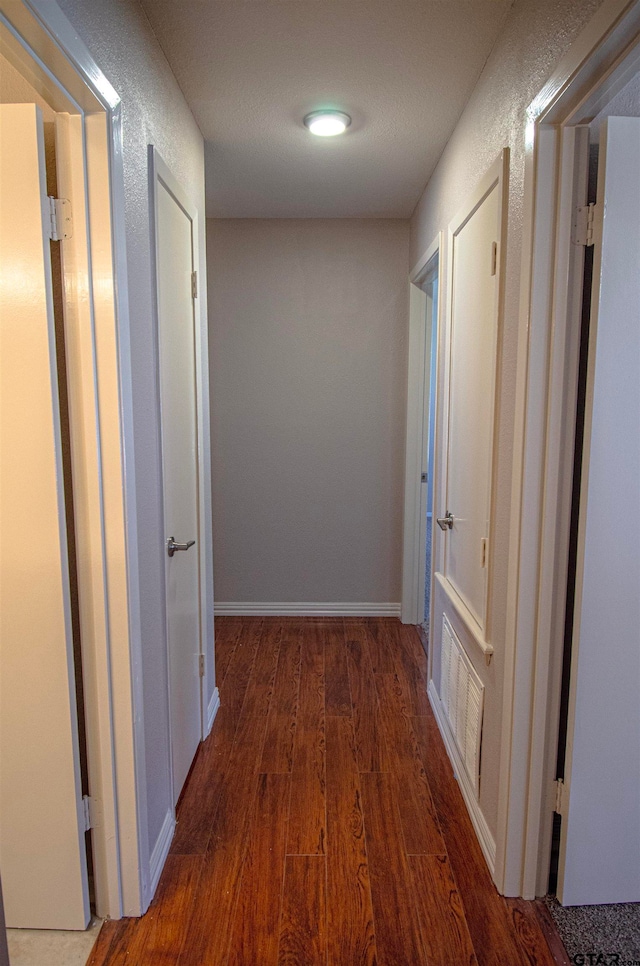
(159, 172)
(597, 65)
(100, 380)
(414, 527)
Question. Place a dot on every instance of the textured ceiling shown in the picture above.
(251, 70)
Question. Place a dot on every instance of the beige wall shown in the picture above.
(535, 35)
(308, 328)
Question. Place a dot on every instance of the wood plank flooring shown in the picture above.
(321, 824)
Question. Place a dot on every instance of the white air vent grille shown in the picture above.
(462, 697)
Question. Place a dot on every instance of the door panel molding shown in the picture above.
(495, 179)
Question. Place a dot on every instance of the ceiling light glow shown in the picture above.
(327, 124)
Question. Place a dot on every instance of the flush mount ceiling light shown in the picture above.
(327, 124)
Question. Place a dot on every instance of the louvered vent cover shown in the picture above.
(462, 696)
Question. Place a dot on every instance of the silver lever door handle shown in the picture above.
(172, 546)
(446, 522)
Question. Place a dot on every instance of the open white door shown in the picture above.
(175, 240)
(600, 841)
(42, 839)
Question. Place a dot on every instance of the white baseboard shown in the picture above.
(295, 609)
(485, 838)
(212, 709)
(160, 851)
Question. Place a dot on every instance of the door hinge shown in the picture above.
(485, 542)
(60, 220)
(194, 285)
(201, 665)
(86, 811)
(424, 477)
(583, 224)
(559, 789)
(494, 258)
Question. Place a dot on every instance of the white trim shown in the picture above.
(485, 838)
(79, 269)
(534, 605)
(135, 901)
(421, 267)
(205, 509)
(416, 455)
(295, 609)
(72, 58)
(114, 651)
(471, 625)
(212, 710)
(161, 850)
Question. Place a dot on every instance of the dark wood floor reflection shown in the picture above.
(321, 822)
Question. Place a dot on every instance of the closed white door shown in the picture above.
(473, 338)
(600, 840)
(176, 329)
(42, 838)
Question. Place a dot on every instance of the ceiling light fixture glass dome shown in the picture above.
(327, 124)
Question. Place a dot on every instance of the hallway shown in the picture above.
(321, 822)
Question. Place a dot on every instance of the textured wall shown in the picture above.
(154, 112)
(308, 323)
(536, 34)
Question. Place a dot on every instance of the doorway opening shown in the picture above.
(599, 571)
(420, 469)
(69, 117)
(551, 549)
(16, 88)
(598, 722)
(572, 562)
(430, 286)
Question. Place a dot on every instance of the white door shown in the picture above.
(600, 841)
(42, 839)
(473, 320)
(176, 331)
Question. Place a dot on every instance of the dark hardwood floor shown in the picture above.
(321, 822)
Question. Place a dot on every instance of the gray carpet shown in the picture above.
(595, 935)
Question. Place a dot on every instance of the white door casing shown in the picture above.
(42, 840)
(428, 446)
(600, 839)
(425, 311)
(175, 233)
